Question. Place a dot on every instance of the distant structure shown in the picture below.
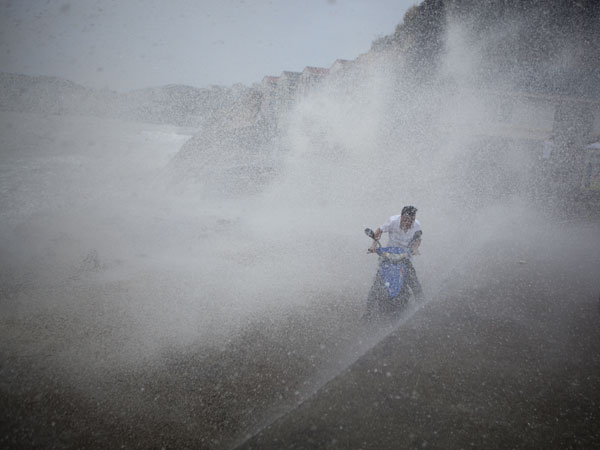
(562, 131)
(310, 79)
(339, 66)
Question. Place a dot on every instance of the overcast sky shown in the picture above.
(128, 44)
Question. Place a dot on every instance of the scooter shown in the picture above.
(389, 294)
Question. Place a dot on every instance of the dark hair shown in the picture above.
(409, 211)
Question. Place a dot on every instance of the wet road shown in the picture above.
(505, 355)
(511, 361)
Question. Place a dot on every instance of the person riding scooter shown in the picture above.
(404, 232)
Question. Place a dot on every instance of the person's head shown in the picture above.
(407, 217)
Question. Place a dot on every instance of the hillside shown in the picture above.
(550, 47)
(172, 104)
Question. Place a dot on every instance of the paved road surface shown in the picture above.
(508, 362)
(506, 355)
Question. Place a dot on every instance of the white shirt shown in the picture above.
(398, 237)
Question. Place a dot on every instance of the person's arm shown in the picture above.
(377, 236)
(416, 243)
(378, 233)
(414, 248)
